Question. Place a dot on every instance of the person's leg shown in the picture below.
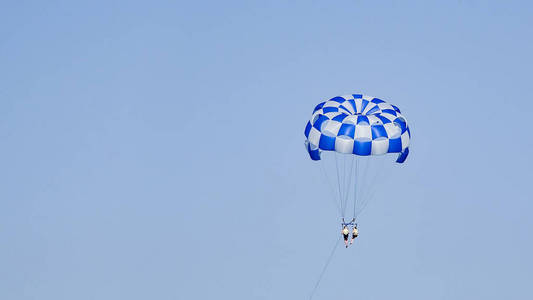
(346, 241)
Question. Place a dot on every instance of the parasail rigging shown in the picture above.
(350, 133)
(349, 137)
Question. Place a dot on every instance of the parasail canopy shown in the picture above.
(357, 124)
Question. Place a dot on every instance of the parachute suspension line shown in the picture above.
(355, 187)
(371, 192)
(349, 185)
(369, 199)
(363, 206)
(363, 183)
(368, 196)
(325, 268)
(334, 198)
(339, 183)
(344, 184)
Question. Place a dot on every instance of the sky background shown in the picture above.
(155, 150)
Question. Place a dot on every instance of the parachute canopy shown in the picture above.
(357, 124)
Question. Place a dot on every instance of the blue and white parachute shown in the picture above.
(349, 135)
(357, 124)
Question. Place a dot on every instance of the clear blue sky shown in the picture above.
(155, 150)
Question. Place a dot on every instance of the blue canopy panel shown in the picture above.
(357, 124)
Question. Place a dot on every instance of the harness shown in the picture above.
(351, 223)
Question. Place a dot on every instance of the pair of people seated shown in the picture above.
(346, 232)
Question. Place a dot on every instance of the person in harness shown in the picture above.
(355, 233)
(346, 232)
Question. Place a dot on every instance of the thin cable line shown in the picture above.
(325, 268)
(334, 197)
(339, 183)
